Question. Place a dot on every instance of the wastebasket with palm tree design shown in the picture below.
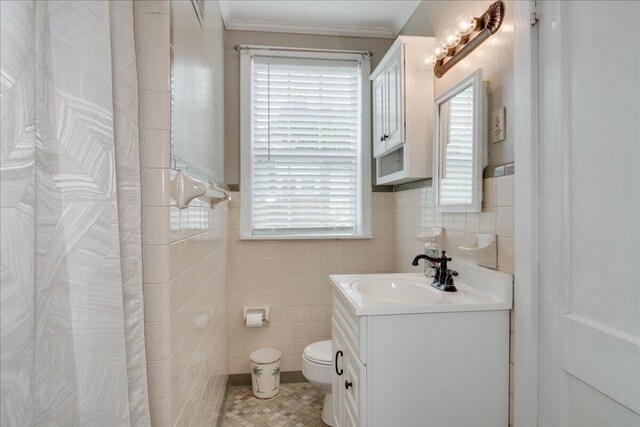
(265, 372)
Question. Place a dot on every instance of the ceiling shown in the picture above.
(378, 18)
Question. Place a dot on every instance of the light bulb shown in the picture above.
(431, 60)
(439, 51)
(450, 39)
(464, 24)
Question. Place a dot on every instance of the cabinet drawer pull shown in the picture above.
(338, 353)
(347, 384)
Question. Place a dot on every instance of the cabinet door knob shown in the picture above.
(386, 136)
(338, 353)
(347, 384)
(382, 138)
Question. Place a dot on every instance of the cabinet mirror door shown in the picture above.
(459, 146)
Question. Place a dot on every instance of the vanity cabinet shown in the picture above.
(420, 369)
(402, 99)
(349, 377)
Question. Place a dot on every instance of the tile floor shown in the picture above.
(296, 405)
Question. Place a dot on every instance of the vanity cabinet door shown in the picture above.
(338, 343)
(395, 100)
(354, 390)
(379, 116)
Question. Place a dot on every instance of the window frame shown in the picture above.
(364, 226)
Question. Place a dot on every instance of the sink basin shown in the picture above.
(479, 289)
(395, 290)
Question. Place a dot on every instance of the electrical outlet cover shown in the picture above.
(498, 125)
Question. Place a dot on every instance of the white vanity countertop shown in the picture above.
(479, 289)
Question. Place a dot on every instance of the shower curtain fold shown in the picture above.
(72, 324)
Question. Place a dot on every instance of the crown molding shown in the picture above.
(391, 31)
(403, 16)
(225, 12)
(302, 28)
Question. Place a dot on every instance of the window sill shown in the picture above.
(309, 237)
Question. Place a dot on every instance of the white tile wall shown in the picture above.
(292, 277)
(184, 255)
(197, 306)
(414, 212)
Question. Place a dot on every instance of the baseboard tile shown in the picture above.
(285, 378)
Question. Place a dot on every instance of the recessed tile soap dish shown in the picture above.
(483, 250)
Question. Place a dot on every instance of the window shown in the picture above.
(305, 145)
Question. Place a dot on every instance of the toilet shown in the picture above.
(317, 369)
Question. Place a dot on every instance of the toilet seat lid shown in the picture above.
(319, 352)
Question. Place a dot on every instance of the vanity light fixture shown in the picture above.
(459, 41)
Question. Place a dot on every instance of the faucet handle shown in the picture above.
(449, 278)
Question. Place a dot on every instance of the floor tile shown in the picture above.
(296, 405)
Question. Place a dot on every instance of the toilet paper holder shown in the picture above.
(264, 310)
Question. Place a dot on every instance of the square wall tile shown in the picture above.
(156, 187)
(155, 225)
(152, 32)
(505, 221)
(156, 265)
(505, 190)
(489, 198)
(155, 148)
(151, 6)
(154, 109)
(154, 70)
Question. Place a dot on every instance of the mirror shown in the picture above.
(197, 131)
(459, 146)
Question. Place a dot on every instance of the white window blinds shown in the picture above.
(456, 135)
(305, 146)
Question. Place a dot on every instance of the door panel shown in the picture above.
(603, 357)
(589, 362)
(586, 406)
(395, 107)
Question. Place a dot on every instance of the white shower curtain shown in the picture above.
(72, 325)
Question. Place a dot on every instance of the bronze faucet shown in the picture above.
(443, 278)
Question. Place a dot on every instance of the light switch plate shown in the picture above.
(498, 125)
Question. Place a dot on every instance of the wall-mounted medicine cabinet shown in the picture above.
(459, 152)
(402, 96)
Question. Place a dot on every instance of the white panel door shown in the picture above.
(589, 360)
(379, 116)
